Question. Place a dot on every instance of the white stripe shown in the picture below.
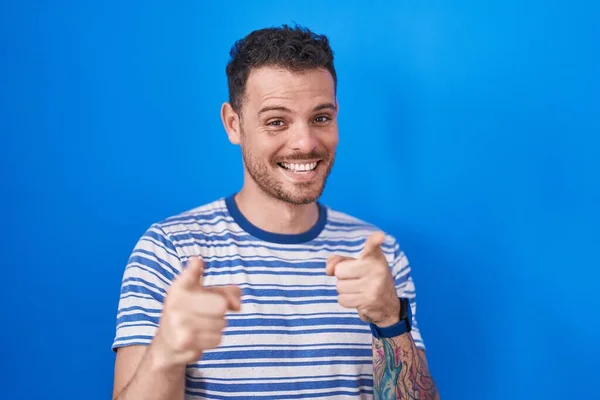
(307, 346)
(297, 328)
(280, 379)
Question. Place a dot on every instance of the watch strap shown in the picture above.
(401, 327)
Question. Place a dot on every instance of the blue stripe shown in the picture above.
(281, 386)
(271, 262)
(141, 289)
(290, 292)
(270, 257)
(264, 272)
(282, 397)
(401, 283)
(351, 224)
(265, 285)
(128, 289)
(282, 378)
(170, 270)
(160, 237)
(283, 364)
(134, 337)
(152, 267)
(256, 301)
(137, 317)
(295, 322)
(240, 262)
(140, 308)
(402, 273)
(285, 354)
(196, 217)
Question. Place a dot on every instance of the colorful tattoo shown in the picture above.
(400, 370)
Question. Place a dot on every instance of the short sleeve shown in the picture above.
(152, 266)
(405, 287)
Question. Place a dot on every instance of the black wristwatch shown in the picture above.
(403, 326)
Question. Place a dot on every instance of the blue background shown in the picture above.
(468, 130)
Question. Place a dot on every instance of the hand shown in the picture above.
(366, 283)
(193, 317)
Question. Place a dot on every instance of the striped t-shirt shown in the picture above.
(291, 339)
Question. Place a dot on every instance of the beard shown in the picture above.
(265, 176)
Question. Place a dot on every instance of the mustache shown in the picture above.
(321, 155)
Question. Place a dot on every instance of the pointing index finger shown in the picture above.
(192, 274)
(372, 247)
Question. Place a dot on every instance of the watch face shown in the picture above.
(406, 311)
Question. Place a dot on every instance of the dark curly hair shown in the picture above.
(294, 48)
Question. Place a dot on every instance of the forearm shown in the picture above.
(154, 381)
(400, 370)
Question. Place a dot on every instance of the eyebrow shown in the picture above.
(324, 106)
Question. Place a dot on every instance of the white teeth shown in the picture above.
(300, 167)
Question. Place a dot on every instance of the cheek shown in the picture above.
(330, 140)
(263, 148)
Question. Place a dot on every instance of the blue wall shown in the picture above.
(471, 131)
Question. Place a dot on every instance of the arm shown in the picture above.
(151, 269)
(139, 375)
(192, 321)
(368, 284)
(400, 370)
(166, 319)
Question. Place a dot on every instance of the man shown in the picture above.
(268, 293)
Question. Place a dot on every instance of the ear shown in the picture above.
(231, 122)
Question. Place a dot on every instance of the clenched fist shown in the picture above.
(366, 283)
(193, 317)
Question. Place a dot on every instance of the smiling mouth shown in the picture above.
(299, 168)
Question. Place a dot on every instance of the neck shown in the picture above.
(273, 215)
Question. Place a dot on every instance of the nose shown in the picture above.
(304, 139)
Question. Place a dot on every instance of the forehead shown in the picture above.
(295, 89)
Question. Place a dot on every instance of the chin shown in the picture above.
(300, 194)
(290, 187)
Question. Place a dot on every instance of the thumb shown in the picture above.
(233, 294)
(372, 246)
(332, 262)
(192, 274)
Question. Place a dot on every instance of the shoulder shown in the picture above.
(342, 224)
(206, 218)
(179, 232)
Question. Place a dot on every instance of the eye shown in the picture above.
(276, 123)
(322, 119)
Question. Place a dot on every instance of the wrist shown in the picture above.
(393, 316)
(162, 360)
(401, 327)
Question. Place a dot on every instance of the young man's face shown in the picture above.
(289, 132)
